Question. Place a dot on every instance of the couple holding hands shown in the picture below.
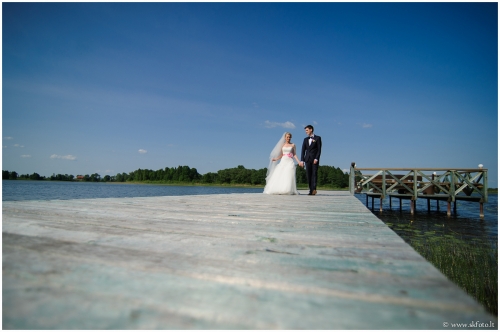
(280, 179)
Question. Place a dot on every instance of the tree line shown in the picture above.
(328, 176)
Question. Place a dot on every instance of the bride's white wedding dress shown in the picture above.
(282, 180)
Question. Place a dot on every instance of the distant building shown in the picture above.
(79, 177)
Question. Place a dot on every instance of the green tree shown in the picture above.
(35, 176)
(209, 178)
(95, 177)
(300, 175)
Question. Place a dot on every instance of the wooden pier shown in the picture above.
(433, 184)
(235, 261)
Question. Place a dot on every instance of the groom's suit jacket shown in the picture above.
(311, 152)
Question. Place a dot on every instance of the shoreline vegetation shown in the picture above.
(470, 262)
(329, 177)
(223, 185)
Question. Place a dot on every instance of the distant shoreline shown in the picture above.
(215, 185)
(183, 184)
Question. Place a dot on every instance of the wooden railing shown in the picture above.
(431, 183)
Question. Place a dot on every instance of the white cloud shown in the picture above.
(142, 151)
(366, 125)
(8, 138)
(25, 156)
(67, 157)
(315, 123)
(18, 146)
(288, 124)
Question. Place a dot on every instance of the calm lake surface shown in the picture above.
(21, 190)
(466, 223)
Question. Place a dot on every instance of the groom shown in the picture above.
(311, 151)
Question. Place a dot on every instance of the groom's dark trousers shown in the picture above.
(312, 175)
(309, 153)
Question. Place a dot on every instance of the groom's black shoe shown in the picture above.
(310, 193)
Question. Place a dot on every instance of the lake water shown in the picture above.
(465, 224)
(20, 190)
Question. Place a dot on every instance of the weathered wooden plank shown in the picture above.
(235, 261)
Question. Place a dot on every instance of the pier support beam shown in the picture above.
(481, 211)
(448, 212)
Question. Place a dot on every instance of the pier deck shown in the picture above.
(236, 261)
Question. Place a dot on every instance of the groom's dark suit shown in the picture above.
(309, 153)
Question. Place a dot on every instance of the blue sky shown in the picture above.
(113, 87)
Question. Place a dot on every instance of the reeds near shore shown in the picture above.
(473, 266)
(471, 263)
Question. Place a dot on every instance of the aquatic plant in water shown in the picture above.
(470, 262)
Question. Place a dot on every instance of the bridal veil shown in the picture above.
(275, 153)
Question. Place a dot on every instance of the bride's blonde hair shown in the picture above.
(287, 133)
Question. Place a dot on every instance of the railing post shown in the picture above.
(352, 179)
(452, 184)
(415, 193)
(383, 190)
(485, 194)
(485, 185)
(383, 184)
(451, 197)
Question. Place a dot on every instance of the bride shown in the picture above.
(280, 179)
